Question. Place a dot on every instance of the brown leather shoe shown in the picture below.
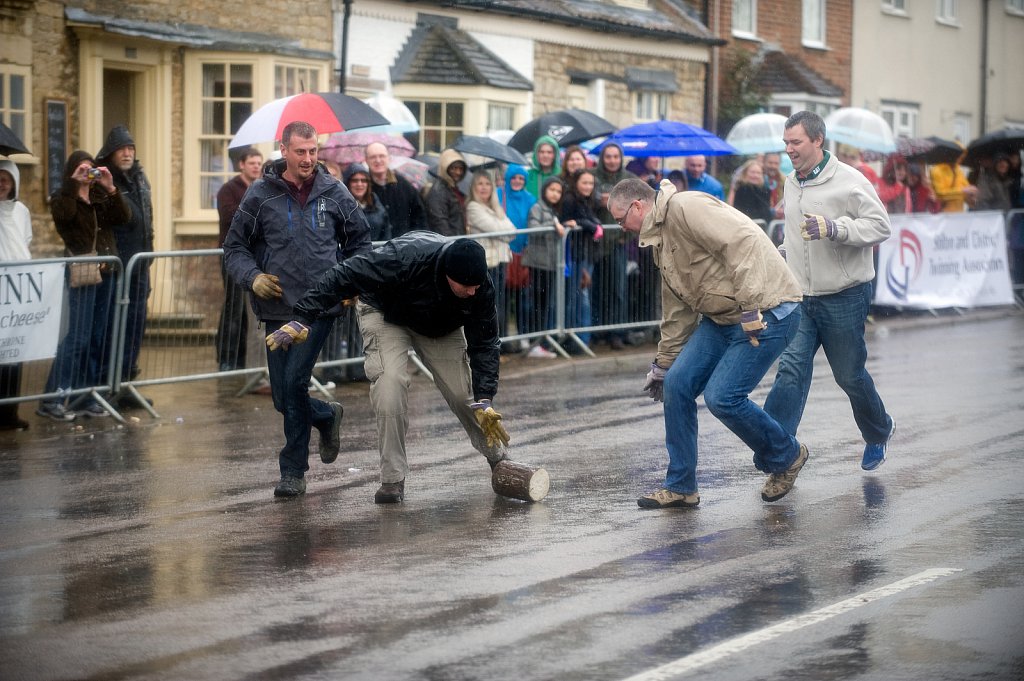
(390, 493)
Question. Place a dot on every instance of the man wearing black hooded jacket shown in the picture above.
(422, 292)
(135, 236)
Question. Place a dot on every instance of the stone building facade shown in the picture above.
(184, 75)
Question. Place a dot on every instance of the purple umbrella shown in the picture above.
(347, 147)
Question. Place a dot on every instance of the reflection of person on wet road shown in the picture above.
(293, 225)
(833, 219)
(730, 308)
(419, 292)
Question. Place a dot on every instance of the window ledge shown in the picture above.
(815, 46)
(24, 159)
(952, 23)
(743, 35)
(1014, 12)
(892, 12)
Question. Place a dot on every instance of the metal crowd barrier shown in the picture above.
(184, 339)
(88, 316)
(609, 289)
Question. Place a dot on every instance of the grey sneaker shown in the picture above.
(94, 411)
(390, 493)
(330, 440)
(779, 484)
(55, 411)
(290, 486)
(666, 498)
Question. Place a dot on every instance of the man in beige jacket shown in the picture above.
(730, 307)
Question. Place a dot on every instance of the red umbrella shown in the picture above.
(326, 111)
(347, 147)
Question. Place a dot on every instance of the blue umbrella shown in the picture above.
(667, 139)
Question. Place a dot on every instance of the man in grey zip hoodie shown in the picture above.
(833, 220)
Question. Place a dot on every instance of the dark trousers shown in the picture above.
(290, 371)
(233, 326)
(135, 323)
(10, 386)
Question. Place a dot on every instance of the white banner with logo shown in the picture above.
(31, 297)
(944, 260)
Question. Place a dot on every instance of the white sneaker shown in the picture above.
(540, 352)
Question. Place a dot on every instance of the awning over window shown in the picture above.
(655, 80)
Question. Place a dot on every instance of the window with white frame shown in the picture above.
(744, 18)
(789, 104)
(947, 12)
(962, 128)
(895, 6)
(813, 34)
(441, 123)
(1015, 6)
(227, 100)
(221, 91)
(292, 80)
(902, 118)
(650, 106)
(500, 117)
(15, 102)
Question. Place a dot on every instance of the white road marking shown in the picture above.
(741, 643)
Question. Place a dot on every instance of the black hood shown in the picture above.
(117, 137)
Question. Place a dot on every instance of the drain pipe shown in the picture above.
(984, 67)
(343, 76)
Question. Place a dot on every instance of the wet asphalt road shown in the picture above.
(156, 551)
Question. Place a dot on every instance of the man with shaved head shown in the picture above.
(400, 198)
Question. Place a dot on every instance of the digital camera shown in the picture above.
(93, 173)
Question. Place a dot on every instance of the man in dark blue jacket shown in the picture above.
(293, 225)
(421, 292)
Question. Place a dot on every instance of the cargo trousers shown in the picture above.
(386, 347)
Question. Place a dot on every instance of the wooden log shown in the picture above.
(520, 481)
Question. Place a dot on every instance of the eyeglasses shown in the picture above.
(625, 215)
(357, 180)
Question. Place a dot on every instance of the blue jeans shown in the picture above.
(83, 353)
(289, 386)
(720, 362)
(835, 323)
(577, 299)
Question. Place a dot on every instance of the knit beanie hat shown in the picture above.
(354, 169)
(465, 262)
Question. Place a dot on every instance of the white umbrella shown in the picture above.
(860, 128)
(400, 118)
(758, 133)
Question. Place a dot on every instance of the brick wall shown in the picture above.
(779, 25)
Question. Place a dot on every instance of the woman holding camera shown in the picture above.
(83, 210)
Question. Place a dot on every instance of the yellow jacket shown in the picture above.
(949, 182)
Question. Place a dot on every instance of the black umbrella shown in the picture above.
(488, 148)
(1007, 141)
(940, 151)
(568, 126)
(9, 142)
